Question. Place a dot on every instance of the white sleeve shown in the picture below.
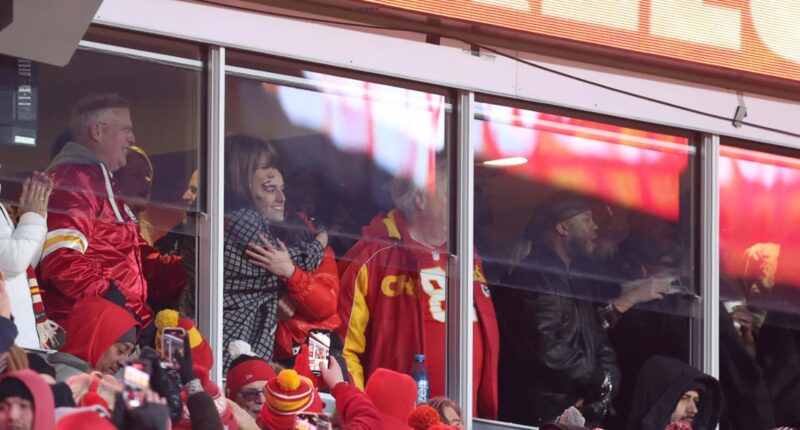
(22, 246)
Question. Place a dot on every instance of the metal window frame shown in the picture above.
(458, 324)
(709, 258)
(210, 225)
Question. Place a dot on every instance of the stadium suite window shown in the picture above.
(604, 235)
(156, 184)
(364, 159)
(759, 301)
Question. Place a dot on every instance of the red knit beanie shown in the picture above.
(88, 420)
(245, 368)
(288, 394)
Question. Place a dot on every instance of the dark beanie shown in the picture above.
(555, 209)
(13, 387)
(62, 395)
(38, 364)
(128, 337)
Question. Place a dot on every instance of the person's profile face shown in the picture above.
(115, 135)
(687, 407)
(190, 195)
(252, 397)
(433, 213)
(16, 413)
(451, 417)
(267, 187)
(581, 234)
(114, 358)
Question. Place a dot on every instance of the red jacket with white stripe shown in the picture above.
(93, 239)
(392, 306)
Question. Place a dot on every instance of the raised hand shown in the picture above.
(35, 194)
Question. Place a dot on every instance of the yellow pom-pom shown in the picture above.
(167, 318)
(288, 380)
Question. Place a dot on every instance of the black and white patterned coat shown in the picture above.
(251, 293)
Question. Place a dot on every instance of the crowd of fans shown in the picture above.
(87, 304)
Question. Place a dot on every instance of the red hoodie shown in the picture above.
(355, 408)
(43, 403)
(94, 325)
(392, 306)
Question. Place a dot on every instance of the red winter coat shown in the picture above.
(385, 302)
(93, 238)
(314, 297)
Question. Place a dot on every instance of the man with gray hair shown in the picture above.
(93, 243)
(392, 295)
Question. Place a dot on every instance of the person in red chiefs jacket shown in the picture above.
(92, 236)
(392, 296)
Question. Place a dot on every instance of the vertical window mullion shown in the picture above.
(209, 295)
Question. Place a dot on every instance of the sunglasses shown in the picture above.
(252, 394)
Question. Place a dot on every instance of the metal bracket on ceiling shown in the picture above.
(741, 111)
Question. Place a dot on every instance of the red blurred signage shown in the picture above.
(754, 36)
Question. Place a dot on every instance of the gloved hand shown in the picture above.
(167, 382)
(152, 415)
(185, 363)
(600, 400)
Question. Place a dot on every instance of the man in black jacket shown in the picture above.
(554, 353)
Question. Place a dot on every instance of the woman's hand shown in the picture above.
(271, 259)
(35, 194)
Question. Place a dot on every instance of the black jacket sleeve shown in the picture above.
(8, 332)
(553, 316)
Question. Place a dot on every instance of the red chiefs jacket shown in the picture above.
(391, 299)
(314, 296)
(92, 239)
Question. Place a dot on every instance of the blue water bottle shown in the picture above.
(420, 376)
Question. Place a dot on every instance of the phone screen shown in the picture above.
(172, 344)
(136, 378)
(319, 346)
(311, 422)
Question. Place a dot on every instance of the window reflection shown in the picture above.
(758, 288)
(366, 162)
(588, 245)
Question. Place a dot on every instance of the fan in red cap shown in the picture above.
(288, 394)
(247, 377)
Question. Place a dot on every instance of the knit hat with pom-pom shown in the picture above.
(201, 351)
(288, 394)
(245, 368)
(424, 417)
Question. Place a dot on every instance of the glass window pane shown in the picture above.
(119, 215)
(364, 160)
(586, 233)
(759, 308)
